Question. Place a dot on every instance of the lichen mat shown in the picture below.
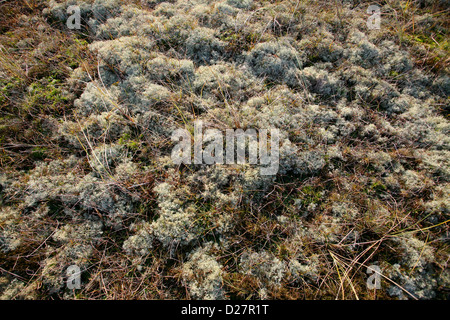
(358, 205)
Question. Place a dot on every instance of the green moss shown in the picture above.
(204, 223)
(45, 94)
(127, 140)
(378, 187)
(239, 41)
(283, 252)
(39, 153)
(8, 87)
(393, 73)
(74, 51)
(437, 41)
(310, 195)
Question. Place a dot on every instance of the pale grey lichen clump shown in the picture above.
(203, 275)
(264, 266)
(363, 150)
(76, 246)
(16, 289)
(414, 273)
(203, 47)
(176, 223)
(241, 4)
(140, 243)
(9, 239)
(90, 195)
(277, 61)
